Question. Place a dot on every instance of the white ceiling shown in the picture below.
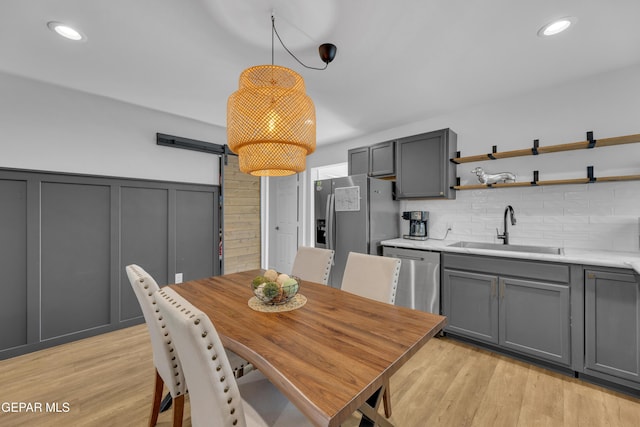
(398, 61)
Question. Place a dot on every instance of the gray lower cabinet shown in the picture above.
(528, 314)
(534, 318)
(612, 325)
(470, 304)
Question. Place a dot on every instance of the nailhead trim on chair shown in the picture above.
(177, 370)
(209, 347)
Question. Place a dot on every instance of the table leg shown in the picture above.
(369, 411)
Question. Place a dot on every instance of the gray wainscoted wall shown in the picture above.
(65, 240)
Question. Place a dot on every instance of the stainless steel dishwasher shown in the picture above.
(419, 280)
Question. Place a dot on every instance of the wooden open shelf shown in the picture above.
(605, 142)
(549, 182)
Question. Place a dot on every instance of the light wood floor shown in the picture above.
(107, 381)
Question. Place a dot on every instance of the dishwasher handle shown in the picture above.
(412, 258)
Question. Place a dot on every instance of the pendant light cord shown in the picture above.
(273, 30)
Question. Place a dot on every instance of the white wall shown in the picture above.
(50, 128)
(601, 215)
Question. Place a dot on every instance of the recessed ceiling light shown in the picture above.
(556, 26)
(66, 31)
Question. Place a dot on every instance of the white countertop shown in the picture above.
(571, 256)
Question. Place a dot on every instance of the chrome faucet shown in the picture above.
(507, 211)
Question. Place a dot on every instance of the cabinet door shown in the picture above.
(423, 169)
(13, 263)
(358, 161)
(612, 324)
(382, 159)
(535, 319)
(470, 302)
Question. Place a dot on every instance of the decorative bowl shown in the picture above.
(276, 291)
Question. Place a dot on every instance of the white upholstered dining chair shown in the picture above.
(167, 363)
(216, 397)
(373, 277)
(313, 264)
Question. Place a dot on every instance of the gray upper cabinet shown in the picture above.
(359, 161)
(377, 160)
(382, 159)
(612, 325)
(423, 168)
(522, 306)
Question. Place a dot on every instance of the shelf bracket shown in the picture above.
(457, 157)
(494, 150)
(535, 177)
(590, 174)
(592, 142)
(536, 145)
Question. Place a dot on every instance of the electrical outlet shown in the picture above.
(178, 277)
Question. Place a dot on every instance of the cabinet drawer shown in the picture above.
(508, 267)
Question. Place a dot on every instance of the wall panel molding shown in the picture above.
(68, 237)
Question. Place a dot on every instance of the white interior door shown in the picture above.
(283, 222)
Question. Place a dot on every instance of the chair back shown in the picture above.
(313, 264)
(213, 391)
(372, 276)
(165, 357)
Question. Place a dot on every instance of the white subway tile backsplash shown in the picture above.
(627, 193)
(567, 235)
(525, 234)
(627, 209)
(580, 244)
(596, 210)
(599, 216)
(543, 212)
(600, 193)
(562, 189)
(564, 204)
(611, 219)
(546, 196)
(561, 219)
(541, 226)
(590, 210)
(582, 195)
(525, 219)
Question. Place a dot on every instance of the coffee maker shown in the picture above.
(417, 224)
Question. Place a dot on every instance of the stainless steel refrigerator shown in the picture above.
(353, 214)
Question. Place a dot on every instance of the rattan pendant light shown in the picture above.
(271, 122)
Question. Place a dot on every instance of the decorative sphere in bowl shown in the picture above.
(275, 288)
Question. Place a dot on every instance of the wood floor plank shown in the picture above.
(543, 399)
(108, 381)
(502, 401)
(462, 398)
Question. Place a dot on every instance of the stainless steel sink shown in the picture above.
(509, 248)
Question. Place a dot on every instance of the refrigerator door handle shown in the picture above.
(330, 217)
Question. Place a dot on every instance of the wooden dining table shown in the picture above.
(330, 356)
